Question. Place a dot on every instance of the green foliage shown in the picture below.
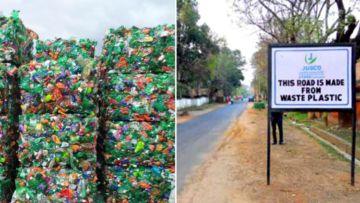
(203, 61)
(212, 64)
(259, 105)
(241, 91)
(225, 70)
(182, 90)
(259, 63)
(194, 46)
(298, 116)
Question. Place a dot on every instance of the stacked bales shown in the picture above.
(57, 94)
(138, 110)
(15, 49)
(58, 125)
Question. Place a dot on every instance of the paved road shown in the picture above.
(198, 136)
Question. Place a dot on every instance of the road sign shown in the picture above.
(311, 77)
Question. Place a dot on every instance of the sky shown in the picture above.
(216, 15)
(89, 18)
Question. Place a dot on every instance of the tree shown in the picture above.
(225, 72)
(204, 61)
(194, 44)
(259, 63)
(290, 21)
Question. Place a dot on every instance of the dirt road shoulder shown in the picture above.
(302, 170)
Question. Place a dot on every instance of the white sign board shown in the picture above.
(311, 77)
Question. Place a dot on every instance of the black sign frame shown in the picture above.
(353, 101)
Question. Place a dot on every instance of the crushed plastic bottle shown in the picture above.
(140, 50)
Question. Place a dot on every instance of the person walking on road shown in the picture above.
(277, 119)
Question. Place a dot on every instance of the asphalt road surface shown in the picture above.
(198, 136)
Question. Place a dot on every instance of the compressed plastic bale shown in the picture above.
(5, 159)
(139, 97)
(63, 86)
(138, 184)
(49, 141)
(15, 40)
(140, 50)
(37, 184)
(140, 144)
(58, 48)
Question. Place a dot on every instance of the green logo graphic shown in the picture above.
(310, 59)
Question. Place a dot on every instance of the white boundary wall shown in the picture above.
(183, 103)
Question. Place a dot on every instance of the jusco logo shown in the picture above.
(309, 59)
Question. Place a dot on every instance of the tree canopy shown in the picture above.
(290, 21)
(203, 60)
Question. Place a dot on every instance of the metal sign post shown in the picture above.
(311, 78)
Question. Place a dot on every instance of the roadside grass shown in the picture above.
(343, 133)
(329, 150)
(297, 116)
